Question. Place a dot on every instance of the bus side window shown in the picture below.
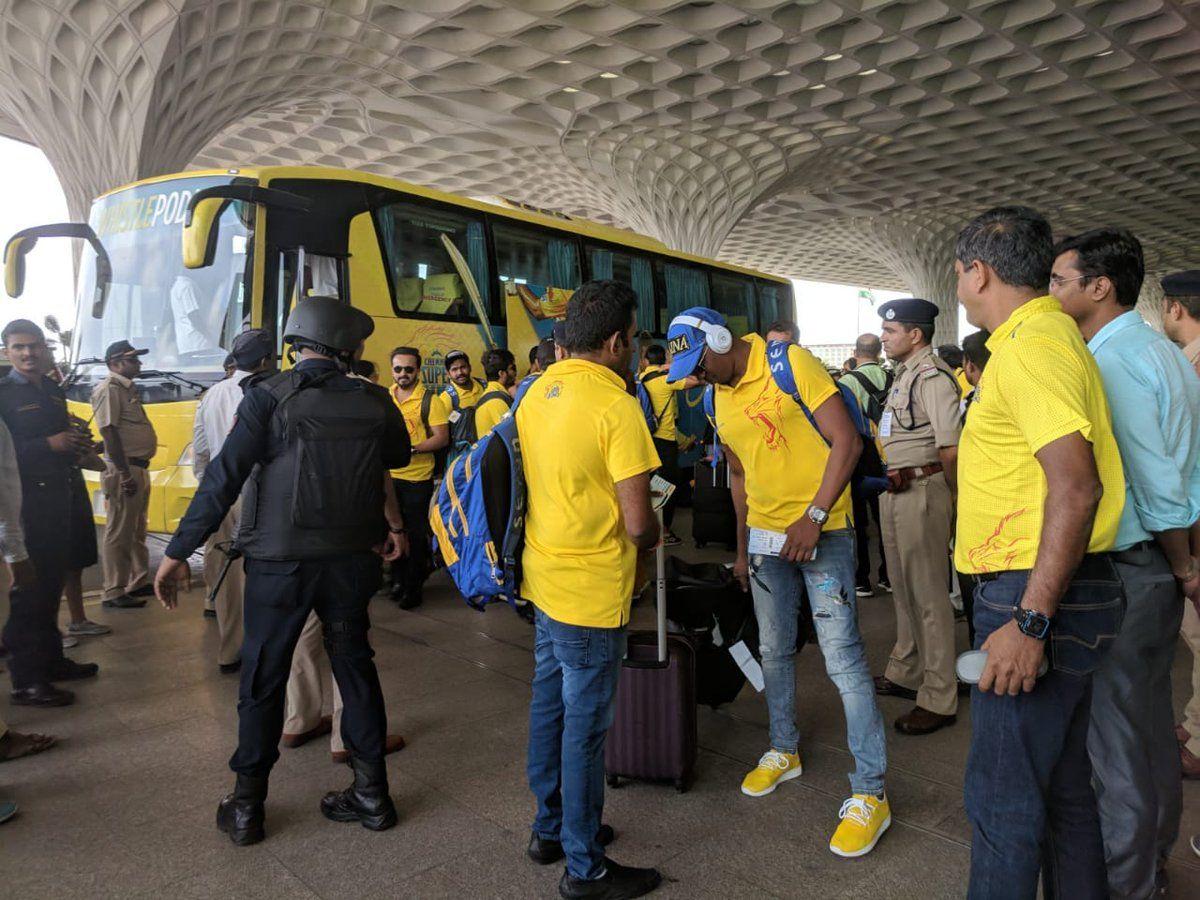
(631, 269)
(734, 297)
(686, 286)
(425, 279)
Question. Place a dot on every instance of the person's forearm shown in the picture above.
(429, 445)
(948, 457)
(737, 486)
(391, 506)
(843, 457)
(1177, 547)
(114, 449)
(1068, 515)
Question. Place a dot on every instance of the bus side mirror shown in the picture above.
(204, 210)
(22, 242)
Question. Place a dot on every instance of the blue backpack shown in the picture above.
(870, 474)
(644, 401)
(478, 517)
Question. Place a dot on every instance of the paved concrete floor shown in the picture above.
(124, 806)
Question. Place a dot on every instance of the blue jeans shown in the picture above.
(1028, 790)
(574, 688)
(830, 582)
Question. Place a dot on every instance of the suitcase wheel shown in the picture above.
(613, 781)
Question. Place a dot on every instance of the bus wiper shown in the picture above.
(174, 376)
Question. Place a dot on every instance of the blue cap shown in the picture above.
(686, 340)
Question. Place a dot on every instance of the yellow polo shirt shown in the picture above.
(1040, 384)
(421, 466)
(580, 434)
(782, 454)
(964, 386)
(489, 413)
(662, 399)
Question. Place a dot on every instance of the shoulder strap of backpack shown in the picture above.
(496, 395)
(780, 368)
(650, 376)
(878, 393)
(426, 405)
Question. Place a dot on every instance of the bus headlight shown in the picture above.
(187, 457)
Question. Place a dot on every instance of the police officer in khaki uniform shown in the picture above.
(919, 430)
(129, 444)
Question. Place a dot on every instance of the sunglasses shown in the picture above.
(404, 370)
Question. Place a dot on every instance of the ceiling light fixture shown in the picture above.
(571, 90)
(608, 74)
(832, 57)
(816, 87)
(782, 72)
(867, 72)
(1105, 53)
(563, 62)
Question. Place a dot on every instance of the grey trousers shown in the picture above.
(1131, 740)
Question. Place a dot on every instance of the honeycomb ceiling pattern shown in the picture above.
(841, 140)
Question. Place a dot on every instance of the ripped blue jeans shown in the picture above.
(829, 580)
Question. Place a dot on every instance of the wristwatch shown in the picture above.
(816, 515)
(1032, 623)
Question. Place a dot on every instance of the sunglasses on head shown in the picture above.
(401, 370)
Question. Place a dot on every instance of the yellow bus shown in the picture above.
(180, 264)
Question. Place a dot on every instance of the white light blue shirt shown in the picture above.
(1154, 395)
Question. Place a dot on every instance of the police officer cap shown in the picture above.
(250, 347)
(1182, 284)
(329, 322)
(910, 309)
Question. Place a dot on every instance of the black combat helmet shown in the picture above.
(328, 322)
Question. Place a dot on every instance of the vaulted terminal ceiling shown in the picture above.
(837, 140)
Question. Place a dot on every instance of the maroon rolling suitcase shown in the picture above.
(653, 736)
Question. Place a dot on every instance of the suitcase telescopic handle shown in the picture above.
(660, 592)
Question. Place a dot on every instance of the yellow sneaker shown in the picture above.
(774, 767)
(864, 820)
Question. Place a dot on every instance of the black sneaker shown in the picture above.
(617, 883)
(41, 695)
(146, 590)
(69, 670)
(125, 601)
(544, 851)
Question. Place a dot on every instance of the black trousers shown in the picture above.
(862, 536)
(278, 598)
(31, 632)
(668, 454)
(411, 571)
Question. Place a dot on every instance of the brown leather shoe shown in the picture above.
(299, 740)
(885, 687)
(1189, 763)
(921, 721)
(395, 742)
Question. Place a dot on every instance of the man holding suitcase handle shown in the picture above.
(587, 457)
(803, 535)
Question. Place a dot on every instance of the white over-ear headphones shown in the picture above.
(718, 338)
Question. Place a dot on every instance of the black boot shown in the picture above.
(365, 801)
(619, 883)
(241, 815)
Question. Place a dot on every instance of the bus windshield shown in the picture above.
(186, 318)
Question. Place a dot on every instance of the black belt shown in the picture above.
(140, 463)
(1092, 564)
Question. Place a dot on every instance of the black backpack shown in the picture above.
(876, 397)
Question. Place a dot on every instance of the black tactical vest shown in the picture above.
(320, 491)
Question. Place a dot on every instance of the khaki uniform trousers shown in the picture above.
(916, 540)
(124, 555)
(311, 688)
(228, 603)
(1191, 713)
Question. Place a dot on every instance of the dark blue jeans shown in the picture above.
(574, 687)
(1028, 789)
